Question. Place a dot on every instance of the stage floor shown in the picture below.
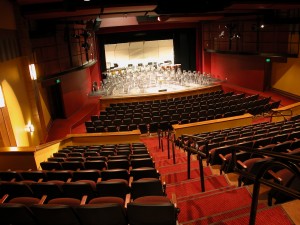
(164, 88)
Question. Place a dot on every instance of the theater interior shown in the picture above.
(149, 112)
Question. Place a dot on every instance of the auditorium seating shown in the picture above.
(189, 109)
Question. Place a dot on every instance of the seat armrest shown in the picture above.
(275, 176)
(42, 200)
(130, 181)
(127, 199)
(240, 163)
(83, 200)
(3, 199)
(222, 157)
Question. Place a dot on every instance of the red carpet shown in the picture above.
(169, 162)
(172, 178)
(222, 216)
(215, 203)
(191, 187)
(178, 167)
(275, 216)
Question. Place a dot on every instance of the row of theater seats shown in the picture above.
(162, 114)
(106, 157)
(63, 197)
(280, 137)
(102, 210)
(252, 136)
(91, 183)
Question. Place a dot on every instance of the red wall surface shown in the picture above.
(75, 88)
(246, 71)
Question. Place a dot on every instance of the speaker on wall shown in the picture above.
(97, 24)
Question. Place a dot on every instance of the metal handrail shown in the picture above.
(191, 146)
(277, 159)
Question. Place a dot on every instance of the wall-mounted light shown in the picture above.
(29, 128)
(32, 71)
(2, 101)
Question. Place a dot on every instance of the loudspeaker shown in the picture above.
(97, 24)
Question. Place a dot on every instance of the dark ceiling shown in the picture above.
(170, 11)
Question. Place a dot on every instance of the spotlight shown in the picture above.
(262, 26)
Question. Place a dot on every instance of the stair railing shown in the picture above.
(191, 145)
(289, 162)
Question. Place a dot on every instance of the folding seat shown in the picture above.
(142, 162)
(72, 165)
(279, 138)
(15, 189)
(251, 166)
(56, 159)
(140, 151)
(286, 178)
(141, 211)
(102, 210)
(295, 144)
(127, 120)
(113, 187)
(75, 159)
(10, 175)
(97, 123)
(137, 120)
(114, 174)
(144, 172)
(228, 163)
(106, 153)
(123, 153)
(62, 175)
(93, 158)
(16, 213)
(33, 175)
(94, 118)
(262, 142)
(90, 129)
(93, 175)
(282, 147)
(58, 214)
(78, 189)
(112, 128)
(143, 127)
(294, 135)
(90, 153)
(51, 165)
(114, 157)
(95, 165)
(214, 155)
(123, 127)
(118, 164)
(52, 189)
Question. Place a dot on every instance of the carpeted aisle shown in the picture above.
(221, 203)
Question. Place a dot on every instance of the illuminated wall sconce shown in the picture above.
(32, 71)
(29, 128)
(2, 101)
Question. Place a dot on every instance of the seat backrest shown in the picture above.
(9, 175)
(50, 214)
(144, 172)
(15, 213)
(143, 213)
(107, 213)
(118, 164)
(147, 187)
(114, 174)
(96, 164)
(72, 165)
(114, 187)
(51, 165)
(51, 189)
(15, 189)
(62, 175)
(93, 175)
(142, 162)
